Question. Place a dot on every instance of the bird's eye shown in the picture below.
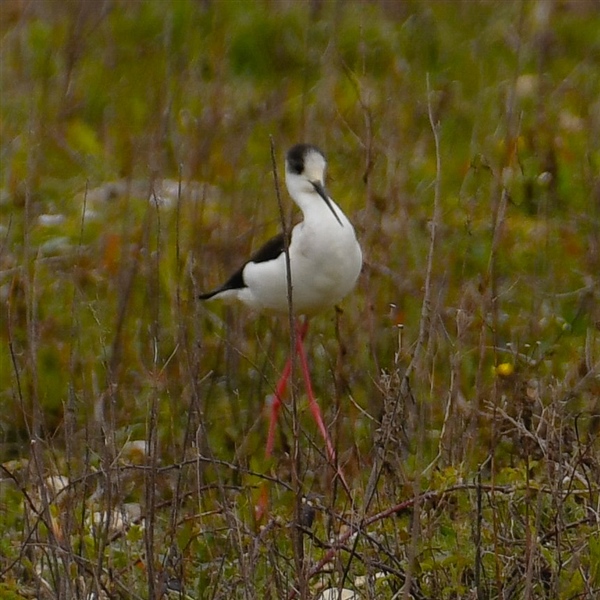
(295, 166)
(296, 158)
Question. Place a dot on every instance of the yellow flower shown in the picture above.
(504, 369)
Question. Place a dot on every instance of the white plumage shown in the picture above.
(325, 257)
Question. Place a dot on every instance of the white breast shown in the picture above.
(325, 263)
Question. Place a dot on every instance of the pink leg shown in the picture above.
(263, 501)
(316, 411)
(312, 403)
(301, 331)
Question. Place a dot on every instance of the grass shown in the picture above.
(460, 379)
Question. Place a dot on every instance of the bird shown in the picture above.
(325, 261)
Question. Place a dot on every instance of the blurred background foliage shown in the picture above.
(136, 170)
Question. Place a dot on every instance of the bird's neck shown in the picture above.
(315, 210)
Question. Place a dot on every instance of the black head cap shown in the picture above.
(296, 154)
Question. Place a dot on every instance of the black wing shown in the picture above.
(269, 251)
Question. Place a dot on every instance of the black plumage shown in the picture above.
(268, 251)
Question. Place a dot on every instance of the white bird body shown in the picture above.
(325, 262)
(325, 256)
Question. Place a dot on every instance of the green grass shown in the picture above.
(469, 435)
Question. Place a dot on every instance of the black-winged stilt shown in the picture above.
(325, 262)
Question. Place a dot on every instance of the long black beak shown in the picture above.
(321, 191)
